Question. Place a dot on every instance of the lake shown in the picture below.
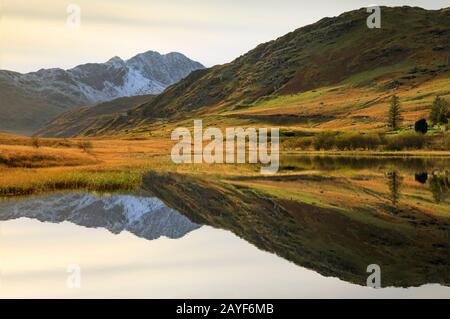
(308, 233)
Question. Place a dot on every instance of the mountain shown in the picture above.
(335, 72)
(91, 120)
(29, 100)
(146, 217)
(311, 57)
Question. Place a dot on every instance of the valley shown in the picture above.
(356, 184)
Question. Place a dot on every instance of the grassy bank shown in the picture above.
(119, 164)
(360, 141)
(25, 182)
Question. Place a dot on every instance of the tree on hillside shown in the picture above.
(439, 111)
(394, 113)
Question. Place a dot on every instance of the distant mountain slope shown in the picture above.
(90, 120)
(21, 111)
(29, 100)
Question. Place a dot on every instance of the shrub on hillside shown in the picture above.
(35, 142)
(409, 140)
(355, 141)
(349, 141)
(324, 141)
(85, 146)
(298, 143)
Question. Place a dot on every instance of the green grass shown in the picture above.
(371, 75)
(292, 99)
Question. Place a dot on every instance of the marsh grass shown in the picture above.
(34, 182)
(103, 165)
(31, 157)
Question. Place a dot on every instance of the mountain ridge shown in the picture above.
(31, 99)
(327, 31)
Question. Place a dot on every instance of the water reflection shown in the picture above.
(423, 169)
(332, 163)
(334, 216)
(336, 225)
(439, 186)
(421, 177)
(146, 217)
(394, 183)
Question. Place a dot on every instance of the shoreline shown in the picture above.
(409, 154)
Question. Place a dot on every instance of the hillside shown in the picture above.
(335, 73)
(319, 55)
(92, 119)
(21, 111)
(30, 100)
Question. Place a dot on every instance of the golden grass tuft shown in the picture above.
(27, 182)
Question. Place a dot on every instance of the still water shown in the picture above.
(136, 246)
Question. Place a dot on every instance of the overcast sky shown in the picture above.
(34, 34)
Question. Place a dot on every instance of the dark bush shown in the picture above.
(421, 126)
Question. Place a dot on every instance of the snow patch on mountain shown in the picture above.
(146, 73)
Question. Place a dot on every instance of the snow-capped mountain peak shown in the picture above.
(59, 90)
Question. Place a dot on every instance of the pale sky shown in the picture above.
(35, 34)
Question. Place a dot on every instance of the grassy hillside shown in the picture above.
(89, 120)
(33, 111)
(335, 73)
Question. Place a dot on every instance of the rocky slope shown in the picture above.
(29, 100)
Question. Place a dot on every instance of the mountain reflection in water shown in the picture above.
(145, 217)
(335, 222)
(333, 215)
